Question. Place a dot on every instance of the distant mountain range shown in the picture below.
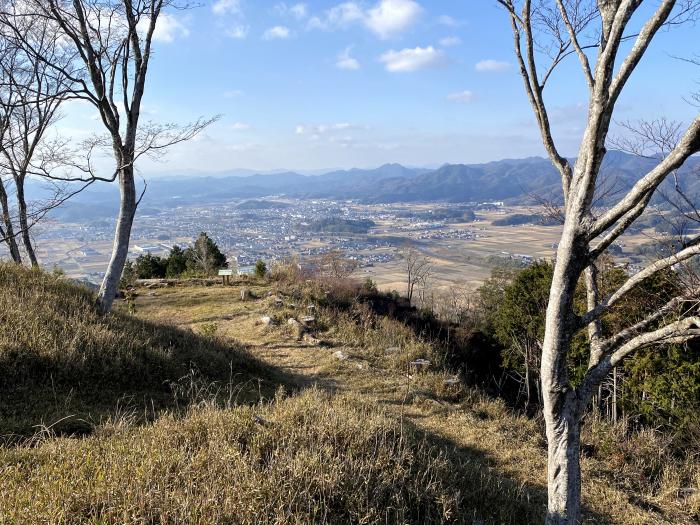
(512, 180)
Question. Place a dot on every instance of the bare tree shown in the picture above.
(418, 270)
(112, 40)
(334, 264)
(30, 96)
(545, 33)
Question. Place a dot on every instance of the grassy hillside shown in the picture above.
(63, 365)
(354, 434)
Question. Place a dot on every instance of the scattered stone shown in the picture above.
(298, 328)
(360, 366)
(451, 381)
(292, 305)
(267, 320)
(245, 294)
(311, 308)
(686, 492)
(392, 350)
(311, 339)
(309, 320)
(420, 364)
(260, 420)
(279, 302)
(340, 355)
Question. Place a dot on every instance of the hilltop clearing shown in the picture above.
(361, 429)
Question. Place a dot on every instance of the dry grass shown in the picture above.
(64, 365)
(314, 458)
(373, 442)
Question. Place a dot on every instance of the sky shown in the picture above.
(328, 84)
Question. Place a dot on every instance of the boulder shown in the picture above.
(297, 328)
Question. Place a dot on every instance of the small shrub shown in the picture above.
(260, 269)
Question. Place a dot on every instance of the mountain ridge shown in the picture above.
(511, 180)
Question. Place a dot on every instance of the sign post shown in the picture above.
(225, 276)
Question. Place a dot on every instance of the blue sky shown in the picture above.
(326, 84)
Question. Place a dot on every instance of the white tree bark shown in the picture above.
(584, 237)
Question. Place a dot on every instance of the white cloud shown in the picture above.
(346, 61)
(448, 21)
(238, 31)
(345, 14)
(450, 41)
(277, 33)
(386, 19)
(415, 59)
(299, 11)
(227, 7)
(168, 28)
(240, 126)
(317, 130)
(461, 96)
(492, 66)
(233, 93)
(391, 17)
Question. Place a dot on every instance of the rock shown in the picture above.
(267, 320)
(298, 328)
(340, 355)
(309, 320)
(245, 294)
(311, 339)
(279, 302)
(260, 420)
(311, 308)
(686, 492)
(420, 364)
(451, 381)
(392, 350)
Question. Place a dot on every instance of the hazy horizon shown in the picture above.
(330, 84)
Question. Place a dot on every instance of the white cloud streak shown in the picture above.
(227, 7)
(386, 19)
(461, 96)
(277, 33)
(450, 41)
(492, 66)
(346, 61)
(409, 60)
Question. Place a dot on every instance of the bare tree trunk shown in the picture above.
(24, 225)
(527, 376)
(563, 465)
(10, 238)
(561, 407)
(120, 250)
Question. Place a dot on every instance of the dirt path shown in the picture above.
(508, 448)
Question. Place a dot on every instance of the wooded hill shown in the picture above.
(515, 180)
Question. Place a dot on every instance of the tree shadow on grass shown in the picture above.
(123, 366)
(488, 495)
